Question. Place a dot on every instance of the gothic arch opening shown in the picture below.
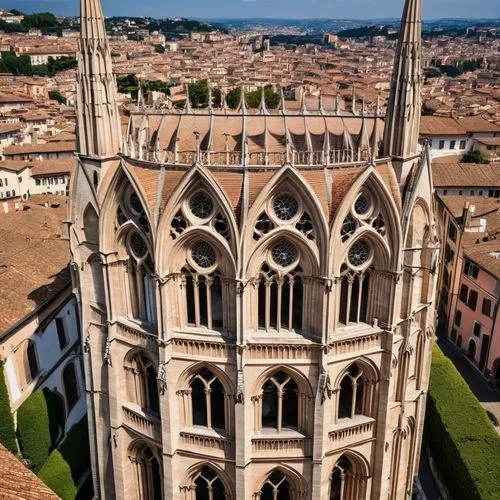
(348, 479)
(282, 402)
(142, 381)
(91, 225)
(357, 391)
(282, 484)
(146, 461)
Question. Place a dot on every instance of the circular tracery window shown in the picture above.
(203, 255)
(138, 245)
(362, 205)
(201, 205)
(284, 253)
(286, 207)
(359, 253)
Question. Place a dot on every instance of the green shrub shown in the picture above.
(75, 449)
(7, 430)
(34, 430)
(64, 468)
(465, 444)
(56, 474)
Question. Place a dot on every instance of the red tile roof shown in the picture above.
(17, 482)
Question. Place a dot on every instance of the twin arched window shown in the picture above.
(276, 487)
(356, 392)
(282, 404)
(142, 383)
(148, 473)
(208, 485)
(348, 480)
(208, 400)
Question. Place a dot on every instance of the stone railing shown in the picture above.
(356, 344)
(210, 443)
(282, 351)
(136, 336)
(281, 446)
(147, 426)
(202, 348)
(352, 432)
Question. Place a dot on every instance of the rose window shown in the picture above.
(359, 253)
(201, 206)
(362, 205)
(138, 245)
(203, 255)
(286, 207)
(284, 253)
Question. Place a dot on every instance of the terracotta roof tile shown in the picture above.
(34, 255)
(232, 184)
(256, 182)
(316, 179)
(343, 179)
(17, 482)
(465, 174)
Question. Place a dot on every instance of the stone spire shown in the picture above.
(403, 113)
(98, 120)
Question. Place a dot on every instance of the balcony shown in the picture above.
(283, 444)
(351, 431)
(206, 442)
(142, 423)
(357, 340)
(136, 334)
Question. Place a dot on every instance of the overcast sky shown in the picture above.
(347, 9)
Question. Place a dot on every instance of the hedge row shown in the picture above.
(63, 470)
(463, 441)
(7, 429)
(33, 426)
(56, 474)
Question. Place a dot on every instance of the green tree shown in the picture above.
(475, 157)
(16, 65)
(233, 97)
(159, 49)
(198, 94)
(33, 427)
(56, 96)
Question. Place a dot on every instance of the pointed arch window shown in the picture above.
(276, 487)
(143, 383)
(355, 284)
(140, 267)
(347, 481)
(281, 290)
(204, 288)
(148, 474)
(208, 400)
(281, 404)
(208, 485)
(355, 396)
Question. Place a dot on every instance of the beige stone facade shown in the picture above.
(256, 326)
